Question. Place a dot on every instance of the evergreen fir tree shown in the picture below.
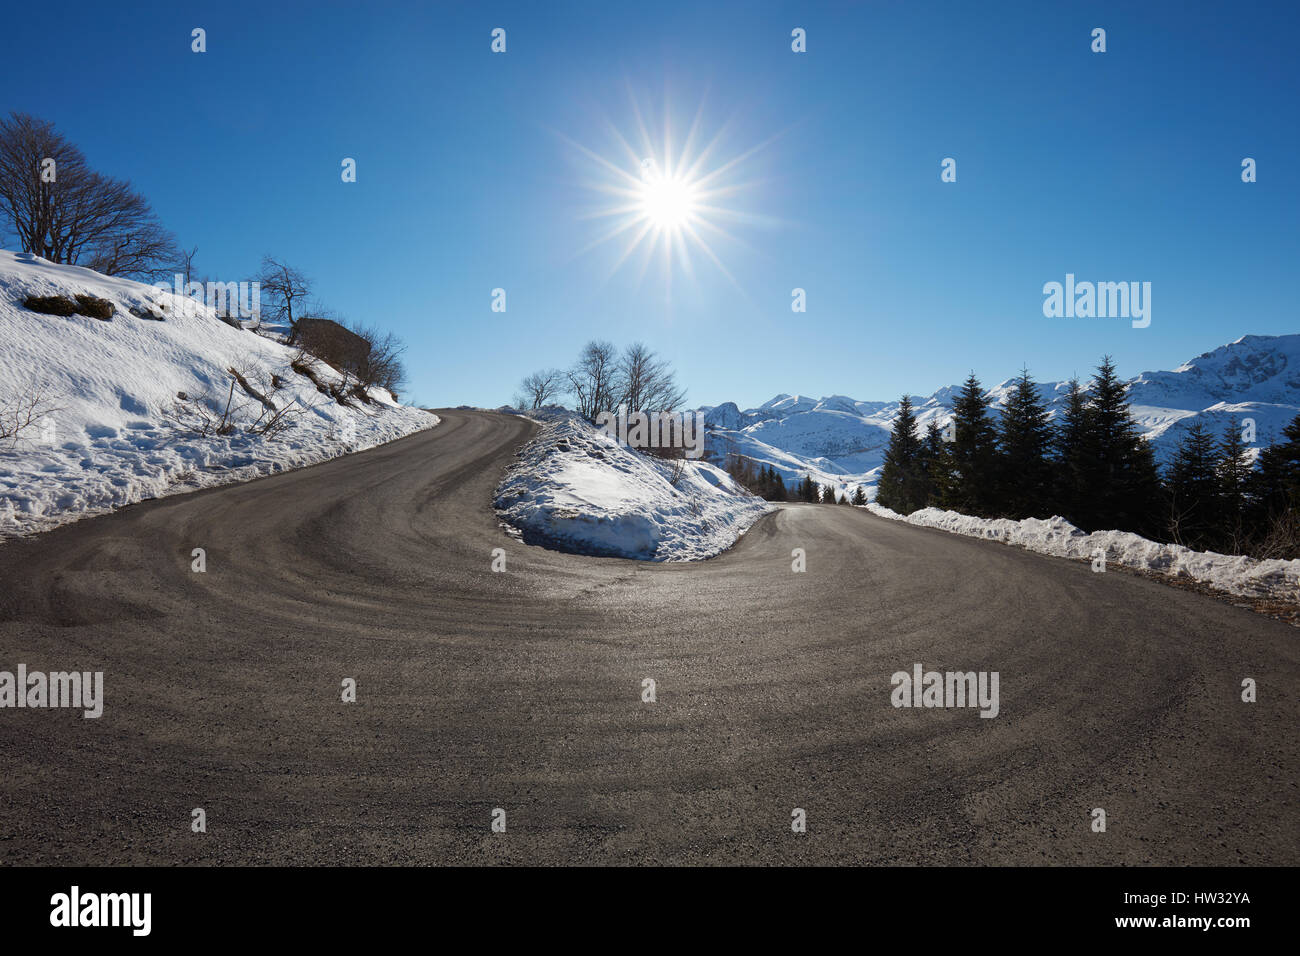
(859, 496)
(1274, 495)
(1121, 484)
(900, 487)
(973, 453)
(1234, 475)
(1024, 440)
(1068, 459)
(828, 494)
(1195, 490)
(936, 466)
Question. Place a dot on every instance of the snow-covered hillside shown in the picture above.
(842, 441)
(579, 490)
(131, 407)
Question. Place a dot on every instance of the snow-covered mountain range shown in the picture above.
(842, 440)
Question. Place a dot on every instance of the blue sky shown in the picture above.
(472, 175)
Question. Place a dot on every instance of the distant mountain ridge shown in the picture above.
(842, 440)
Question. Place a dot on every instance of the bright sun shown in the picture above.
(668, 198)
(668, 202)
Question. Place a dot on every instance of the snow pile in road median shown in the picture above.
(1235, 574)
(113, 428)
(576, 489)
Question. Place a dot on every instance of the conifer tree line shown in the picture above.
(1093, 467)
(767, 483)
(764, 482)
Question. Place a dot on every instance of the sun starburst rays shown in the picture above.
(667, 204)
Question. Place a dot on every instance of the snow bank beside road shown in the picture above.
(1235, 574)
(579, 490)
(114, 429)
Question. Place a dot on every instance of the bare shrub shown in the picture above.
(24, 411)
(275, 421)
(1280, 538)
(382, 365)
(211, 413)
(278, 413)
(676, 469)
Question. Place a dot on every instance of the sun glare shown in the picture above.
(668, 202)
(667, 198)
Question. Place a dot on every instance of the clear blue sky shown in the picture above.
(1116, 166)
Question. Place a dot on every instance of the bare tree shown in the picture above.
(592, 379)
(185, 263)
(31, 151)
(62, 210)
(285, 286)
(137, 246)
(645, 382)
(540, 388)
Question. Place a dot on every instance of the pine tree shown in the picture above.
(1274, 497)
(828, 494)
(900, 487)
(936, 466)
(1234, 475)
(1069, 458)
(973, 453)
(1121, 483)
(1278, 481)
(808, 489)
(770, 485)
(859, 496)
(1195, 491)
(1024, 440)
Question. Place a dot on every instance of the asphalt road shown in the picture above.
(523, 690)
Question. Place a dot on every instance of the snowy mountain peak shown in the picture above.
(837, 403)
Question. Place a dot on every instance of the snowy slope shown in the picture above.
(115, 430)
(576, 489)
(842, 441)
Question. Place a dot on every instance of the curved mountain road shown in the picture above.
(523, 690)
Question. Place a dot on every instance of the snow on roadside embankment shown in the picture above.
(1243, 576)
(131, 407)
(578, 490)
